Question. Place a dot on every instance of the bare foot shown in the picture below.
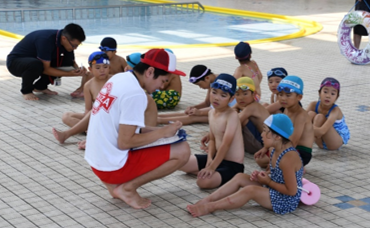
(81, 145)
(59, 135)
(46, 91)
(202, 201)
(77, 94)
(131, 197)
(30, 97)
(198, 210)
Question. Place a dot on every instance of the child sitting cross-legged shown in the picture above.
(225, 148)
(277, 190)
(330, 128)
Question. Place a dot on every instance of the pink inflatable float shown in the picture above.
(354, 55)
(310, 192)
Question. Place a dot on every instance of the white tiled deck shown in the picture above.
(45, 184)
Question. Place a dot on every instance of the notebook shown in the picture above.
(178, 137)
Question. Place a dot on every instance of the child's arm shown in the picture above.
(298, 124)
(272, 100)
(199, 112)
(238, 73)
(290, 186)
(246, 113)
(320, 131)
(88, 97)
(231, 127)
(274, 107)
(206, 103)
(258, 71)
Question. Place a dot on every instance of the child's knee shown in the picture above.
(208, 183)
(66, 117)
(262, 162)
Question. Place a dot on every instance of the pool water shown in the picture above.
(140, 26)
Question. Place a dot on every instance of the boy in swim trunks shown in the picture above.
(99, 67)
(248, 67)
(251, 115)
(290, 93)
(225, 148)
(118, 120)
(118, 63)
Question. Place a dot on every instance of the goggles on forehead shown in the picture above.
(226, 89)
(335, 85)
(193, 79)
(98, 59)
(285, 89)
(104, 48)
(275, 72)
(242, 87)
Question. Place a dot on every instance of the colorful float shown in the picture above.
(350, 20)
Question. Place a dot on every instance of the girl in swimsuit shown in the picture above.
(248, 67)
(331, 130)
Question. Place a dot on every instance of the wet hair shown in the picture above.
(283, 140)
(142, 67)
(74, 31)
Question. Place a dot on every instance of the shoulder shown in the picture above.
(312, 106)
(290, 156)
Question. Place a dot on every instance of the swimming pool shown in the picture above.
(140, 28)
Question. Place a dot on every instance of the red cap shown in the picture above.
(162, 59)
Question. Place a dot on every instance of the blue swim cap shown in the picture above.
(98, 57)
(133, 59)
(291, 84)
(281, 124)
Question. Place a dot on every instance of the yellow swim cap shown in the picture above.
(245, 83)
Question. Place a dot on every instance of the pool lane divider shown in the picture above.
(307, 27)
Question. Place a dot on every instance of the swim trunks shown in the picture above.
(227, 169)
(305, 153)
(167, 99)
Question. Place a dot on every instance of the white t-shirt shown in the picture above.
(120, 101)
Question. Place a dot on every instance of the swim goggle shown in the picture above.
(242, 87)
(107, 48)
(193, 79)
(285, 89)
(226, 89)
(278, 73)
(335, 85)
(98, 59)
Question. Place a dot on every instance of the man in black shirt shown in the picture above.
(40, 53)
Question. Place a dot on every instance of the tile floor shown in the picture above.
(45, 184)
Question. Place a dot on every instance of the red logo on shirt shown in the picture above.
(104, 100)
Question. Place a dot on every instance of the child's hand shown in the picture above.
(193, 112)
(205, 173)
(204, 143)
(171, 129)
(262, 152)
(254, 176)
(187, 110)
(263, 178)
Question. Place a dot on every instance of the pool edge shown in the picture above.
(307, 27)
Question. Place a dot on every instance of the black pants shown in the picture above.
(29, 69)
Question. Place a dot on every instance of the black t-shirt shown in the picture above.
(44, 45)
